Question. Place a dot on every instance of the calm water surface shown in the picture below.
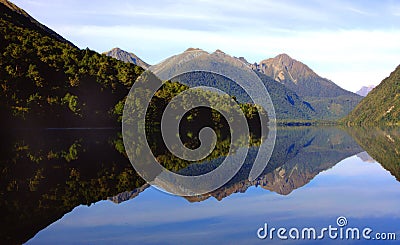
(82, 191)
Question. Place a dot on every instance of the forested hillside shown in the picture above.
(47, 81)
(382, 104)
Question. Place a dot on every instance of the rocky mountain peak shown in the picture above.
(193, 49)
(284, 62)
(285, 59)
(364, 91)
(125, 56)
(298, 77)
(116, 49)
(219, 51)
(242, 59)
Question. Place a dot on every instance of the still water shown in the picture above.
(76, 187)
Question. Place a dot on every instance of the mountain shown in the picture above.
(328, 99)
(45, 81)
(23, 19)
(288, 105)
(299, 77)
(124, 56)
(382, 104)
(364, 90)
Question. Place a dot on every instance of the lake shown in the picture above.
(77, 187)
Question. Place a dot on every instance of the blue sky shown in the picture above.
(353, 43)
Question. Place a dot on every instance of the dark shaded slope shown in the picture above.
(47, 82)
(47, 173)
(21, 18)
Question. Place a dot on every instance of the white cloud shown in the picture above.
(350, 43)
(351, 58)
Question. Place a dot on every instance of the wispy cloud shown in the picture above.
(350, 58)
(341, 40)
(395, 10)
(359, 11)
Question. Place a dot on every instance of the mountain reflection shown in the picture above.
(299, 155)
(382, 144)
(47, 173)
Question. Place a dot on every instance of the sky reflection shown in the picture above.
(364, 192)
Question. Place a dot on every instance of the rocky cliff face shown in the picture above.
(299, 77)
(328, 99)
